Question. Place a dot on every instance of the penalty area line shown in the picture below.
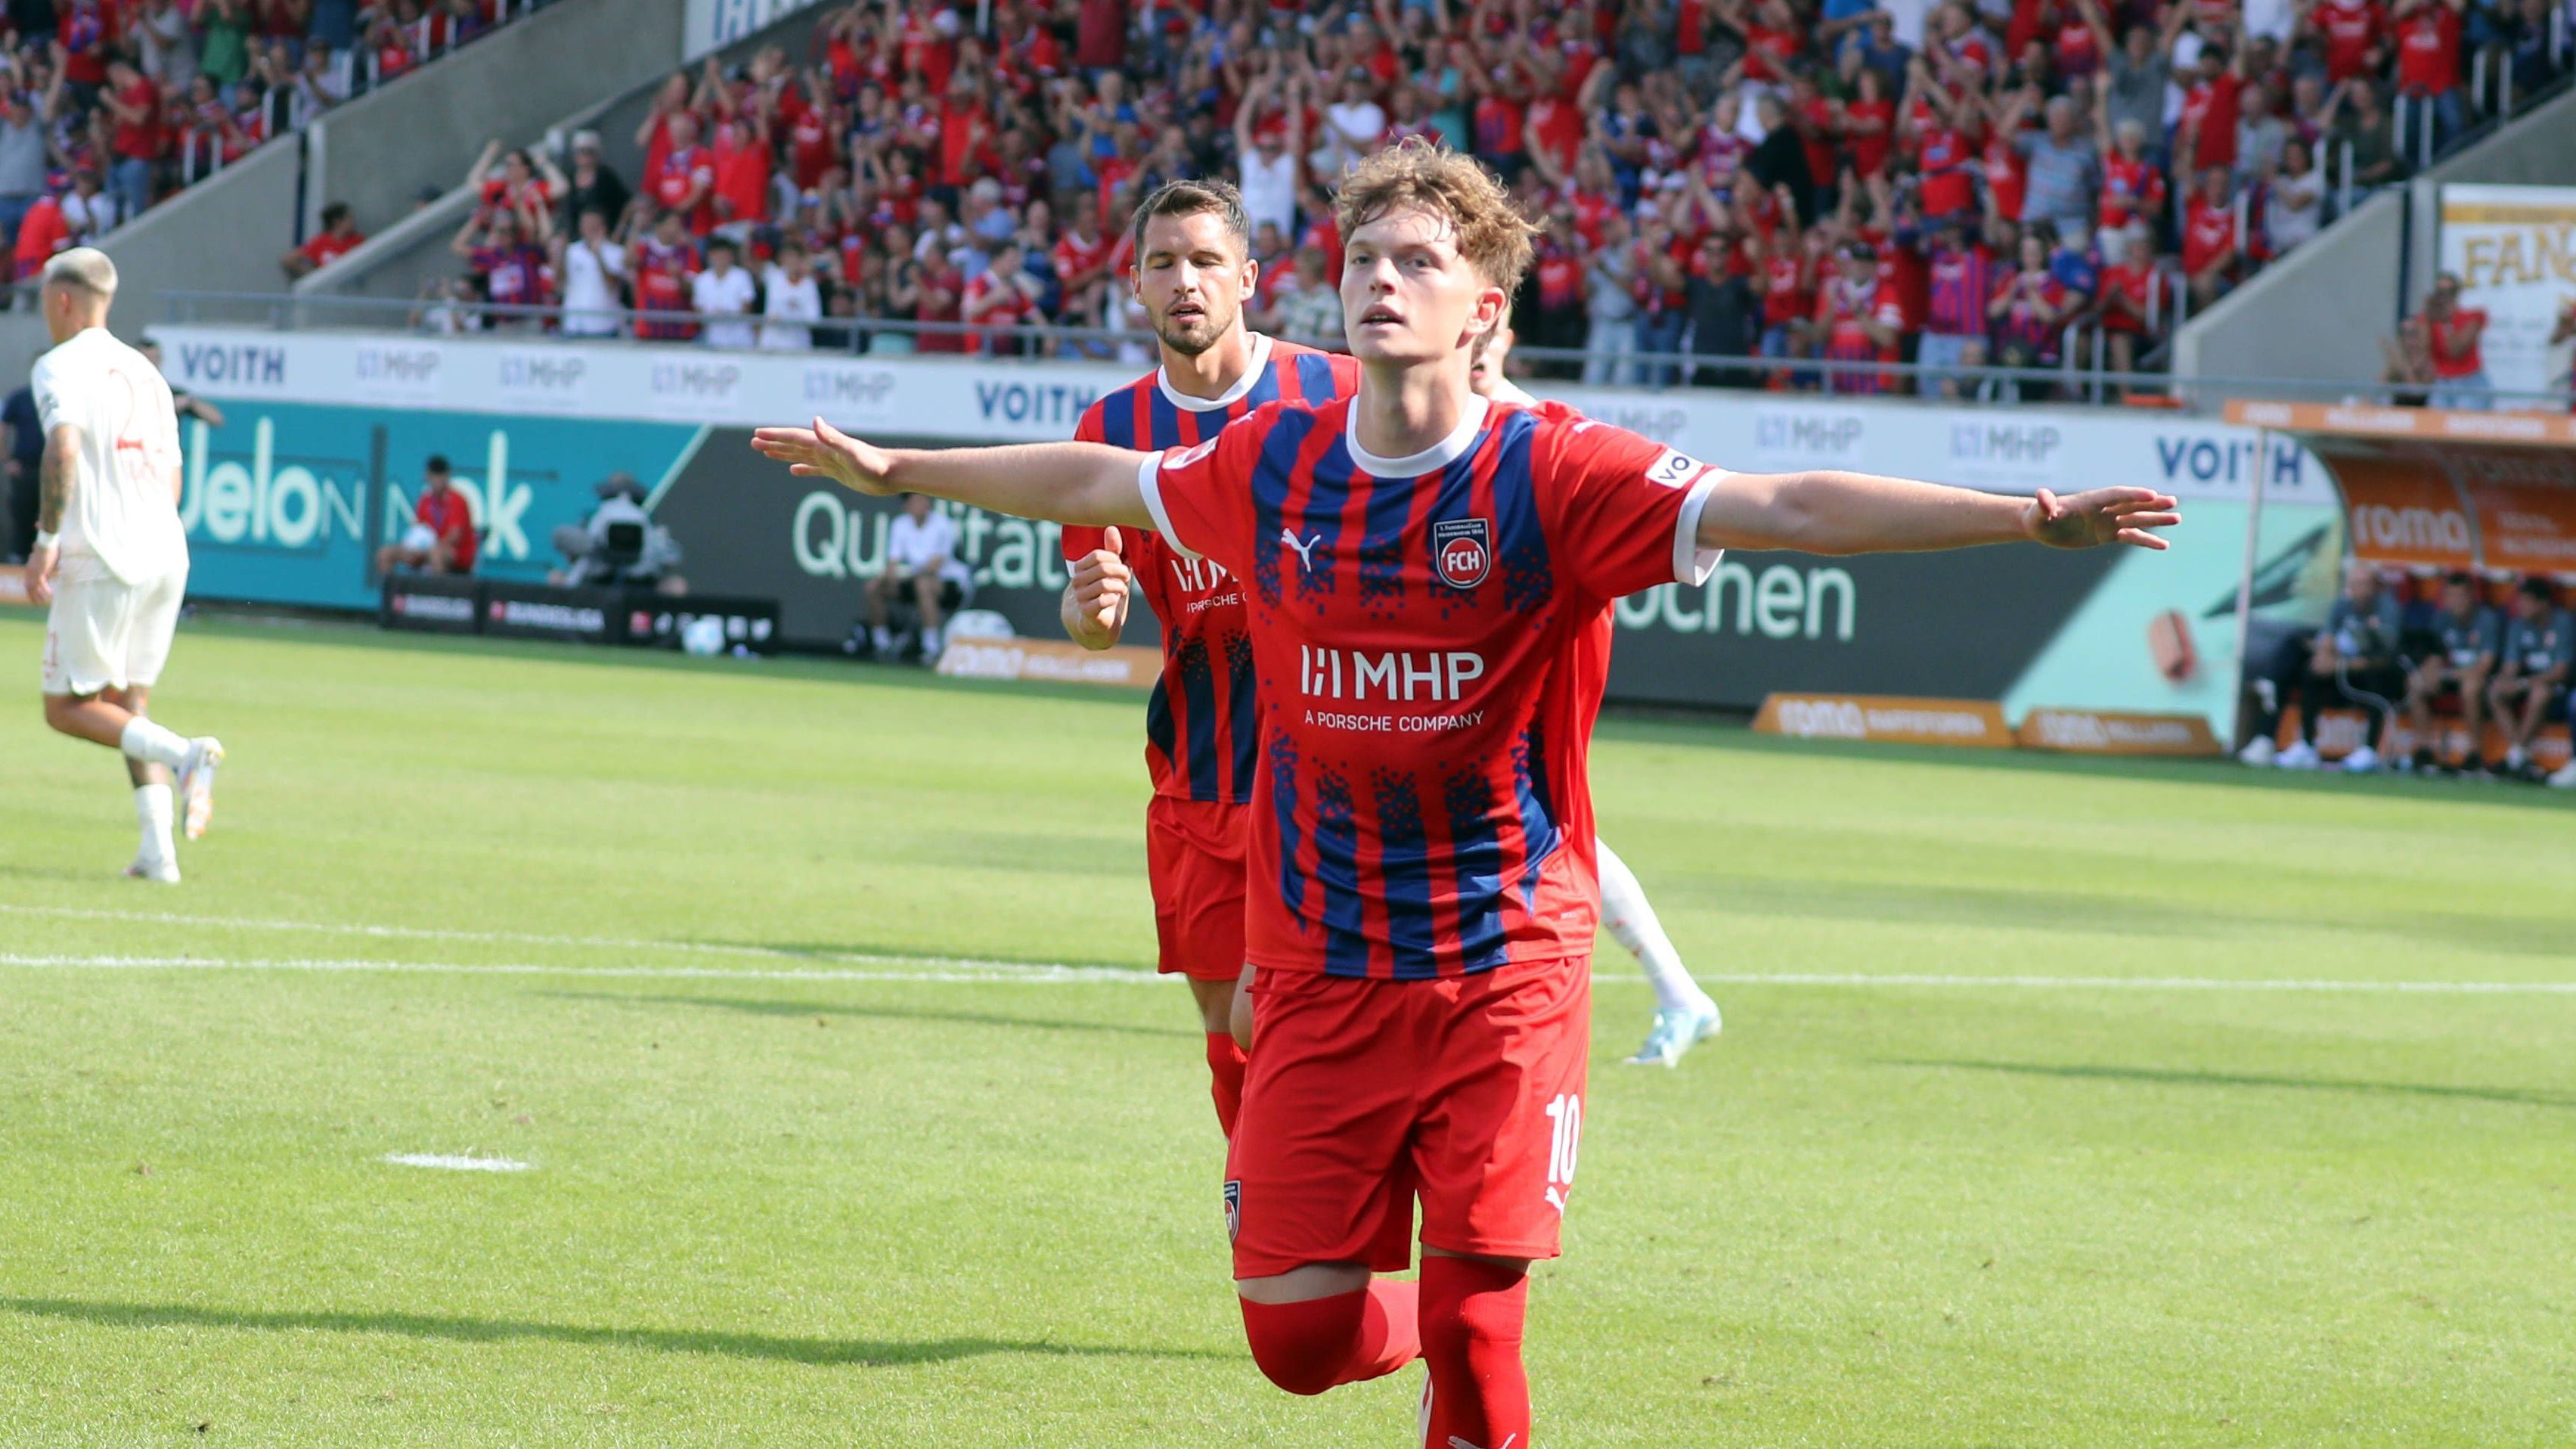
(1003, 973)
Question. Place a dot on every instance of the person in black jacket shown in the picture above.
(1724, 317)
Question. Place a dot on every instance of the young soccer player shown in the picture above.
(110, 557)
(1685, 1015)
(1425, 572)
(1193, 268)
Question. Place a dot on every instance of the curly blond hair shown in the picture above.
(1418, 173)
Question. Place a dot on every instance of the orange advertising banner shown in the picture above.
(2404, 511)
(2357, 420)
(2112, 732)
(2529, 528)
(1977, 723)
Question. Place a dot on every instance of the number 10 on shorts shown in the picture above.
(1565, 1116)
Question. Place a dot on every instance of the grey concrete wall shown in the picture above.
(2316, 314)
(2319, 313)
(378, 151)
(396, 260)
(223, 235)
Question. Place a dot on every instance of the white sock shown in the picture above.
(143, 740)
(1625, 911)
(152, 811)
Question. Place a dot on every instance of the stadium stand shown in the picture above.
(2161, 155)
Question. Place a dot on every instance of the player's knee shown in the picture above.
(1302, 1347)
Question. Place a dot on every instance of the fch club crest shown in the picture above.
(1462, 551)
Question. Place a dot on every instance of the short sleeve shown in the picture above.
(47, 393)
(1201, 496)
(1623, 511)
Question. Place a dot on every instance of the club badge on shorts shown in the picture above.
(1233, 1211)
(1462, 551)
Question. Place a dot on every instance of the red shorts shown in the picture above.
(1467, 1091)
(1194, 857)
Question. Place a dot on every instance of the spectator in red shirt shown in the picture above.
(2352, 33)
(2029, 309)
(338, 237)
(1862, 320)
(741, 159)
(685, 180)
(2428, 57)
(2206, 134)
(2133, 306)
(663, 264)
(1001, 297)
(136, 104)
(2451, 334)
(2211, 245)
(441, 539)
(41, 233)
(1962, 282)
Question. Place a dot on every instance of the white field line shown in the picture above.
(454, 1163)
(512, 938)
(1066, 975)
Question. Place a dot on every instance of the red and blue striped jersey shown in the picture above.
(1431, 644)
(1201, 727)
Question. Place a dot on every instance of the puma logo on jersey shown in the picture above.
(1305, 551)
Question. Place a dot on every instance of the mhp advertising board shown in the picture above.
(288, 502)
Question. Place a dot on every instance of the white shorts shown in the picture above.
(105, 633)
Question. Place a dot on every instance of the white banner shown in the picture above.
(715, 24)
(2010, 450)
(2514, 248)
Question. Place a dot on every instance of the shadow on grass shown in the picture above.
(866, 1352)
(2167, 1078)
(801, 1009)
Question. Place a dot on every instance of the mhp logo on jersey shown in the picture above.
(1462, 551)
(1233, 1210)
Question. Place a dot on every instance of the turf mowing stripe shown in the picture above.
(1005, 972)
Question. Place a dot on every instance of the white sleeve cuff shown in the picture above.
(1693, 564)
(1149, 481)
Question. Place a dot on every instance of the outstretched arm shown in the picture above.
(1828, 512)
(1084, 483)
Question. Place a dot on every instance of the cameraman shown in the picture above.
(588, 559)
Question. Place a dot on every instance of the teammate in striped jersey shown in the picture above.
(1192, 272)
(1684, 1014)
(1423, 572)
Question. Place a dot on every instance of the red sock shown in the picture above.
(1226, 1064)
(1309, 1347)
(1472, 1314)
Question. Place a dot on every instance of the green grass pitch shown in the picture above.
(744, 959)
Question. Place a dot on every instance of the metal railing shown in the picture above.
(2068, 380)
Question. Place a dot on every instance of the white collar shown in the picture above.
(1260, 359)
(1439, 455)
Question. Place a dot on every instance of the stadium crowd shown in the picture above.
(106, 106)
(1948, 183)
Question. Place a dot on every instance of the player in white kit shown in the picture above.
(110, 557)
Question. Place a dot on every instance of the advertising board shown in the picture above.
(2115, 630)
